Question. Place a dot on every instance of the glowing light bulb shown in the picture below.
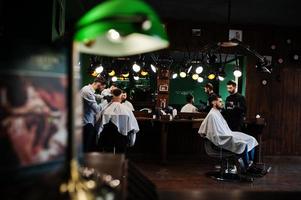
(200, 79)
(195, 76)
(99, 69)
(136, 67)
(183, 74)
(199, 70)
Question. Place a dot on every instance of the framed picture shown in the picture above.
(163, 88)
(235, 34)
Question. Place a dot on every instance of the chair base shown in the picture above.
(229, 177)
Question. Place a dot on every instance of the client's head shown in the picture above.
(116, 95)
(189, 98)
(124, 95)
(217, 102)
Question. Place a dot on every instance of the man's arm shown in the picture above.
(90, 99)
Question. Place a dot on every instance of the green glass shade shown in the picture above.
(120, 28)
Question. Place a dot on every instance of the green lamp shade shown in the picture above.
(120, 28)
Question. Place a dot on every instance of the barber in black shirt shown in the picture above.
(209, 91)
(235, 107)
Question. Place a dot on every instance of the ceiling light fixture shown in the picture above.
(154, 68)
(99, 69)
(199, 70)
(174, 75)
(183, 74)
(136, 67)
(200, 79)
(195, 77)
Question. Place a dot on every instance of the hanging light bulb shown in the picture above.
(221, 78)
(126, 75)
(174, 75)
(199, 70)
(237, 72)
(200, 79)
(99, 69)
(154, 69)
(94, 73)
(211, 76)
(112, 73)
(189, 69)
(114, 78)
(195, 77)
(144, 73)
(136, 67)
(183, 74)
(136, 78)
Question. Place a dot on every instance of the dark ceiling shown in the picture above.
(284, 13)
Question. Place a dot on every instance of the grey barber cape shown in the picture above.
(122, 117)
(215, 128)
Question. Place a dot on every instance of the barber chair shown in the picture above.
(231, 165)
(111, 141)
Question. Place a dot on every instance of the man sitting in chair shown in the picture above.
(189, 107)
(215, 128)
(117, 126)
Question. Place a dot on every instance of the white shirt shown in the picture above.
(215, 128)
(189, 108)
(129, 105)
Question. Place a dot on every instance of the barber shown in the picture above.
(235, 108)
(91, 108)
(208, 89)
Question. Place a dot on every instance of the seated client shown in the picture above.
(215, 128)
(117, 126)
(189, 107)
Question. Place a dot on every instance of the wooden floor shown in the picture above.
(190, 175)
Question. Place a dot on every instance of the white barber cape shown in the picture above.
(189, 108)
(122, 117)
(215, 128)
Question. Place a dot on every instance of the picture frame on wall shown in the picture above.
(163, 88)
(235, 34)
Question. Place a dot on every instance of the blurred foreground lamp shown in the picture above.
(120, 28)
(112, 28)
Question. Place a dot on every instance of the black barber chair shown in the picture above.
(111, 141)
(231, 164)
